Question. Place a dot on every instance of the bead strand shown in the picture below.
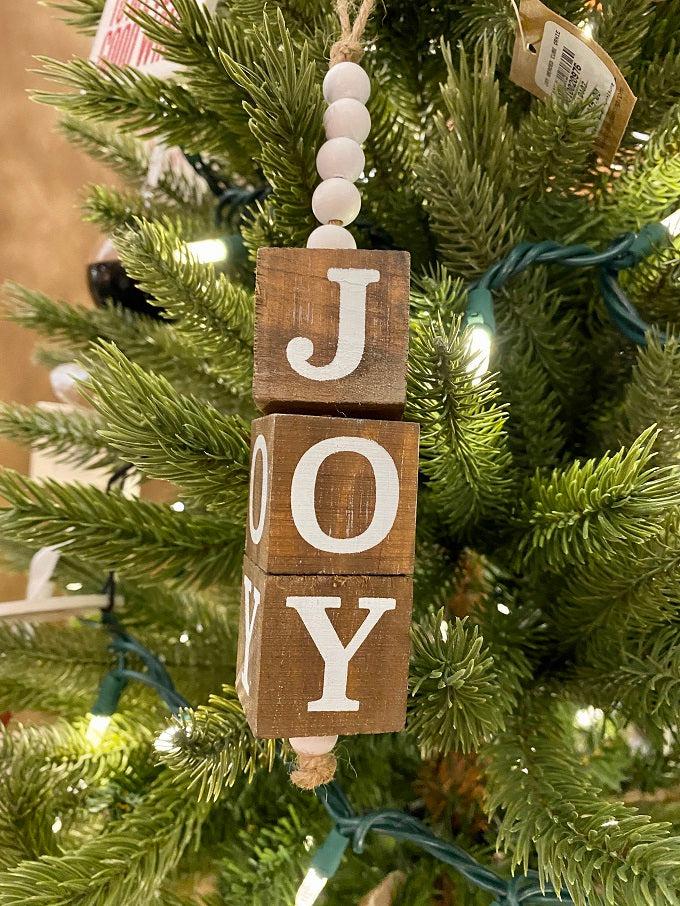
(336, 201)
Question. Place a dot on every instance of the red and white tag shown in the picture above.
(121, 41)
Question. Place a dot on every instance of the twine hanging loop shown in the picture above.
(350, 46)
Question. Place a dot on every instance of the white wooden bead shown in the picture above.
(346, 80)
(340, 157)
(336, 199)
(331, 236)
(313, 745)
(347, 118)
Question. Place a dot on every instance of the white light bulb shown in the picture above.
(205, 251)
(310, 889)
(641, 136)
(672, 224)
(74, 586)
(97, 727)
(478, 342)
(177, 506)
(165, 742)
(586, 718)
(588, 29)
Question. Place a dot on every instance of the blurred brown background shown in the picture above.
(43, 243)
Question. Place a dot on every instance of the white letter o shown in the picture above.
(303, 488)
(260, 446)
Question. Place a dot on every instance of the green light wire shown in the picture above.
(625, 252)
(522, 890)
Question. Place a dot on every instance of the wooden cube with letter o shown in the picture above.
(322, 655)
(331, 331)
(332, 495)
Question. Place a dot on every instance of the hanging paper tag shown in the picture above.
(121, 41)
(553, 54)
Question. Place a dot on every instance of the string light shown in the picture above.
(624, 252)
(588, 29)
(165, 741)
(480, 328)
(96, 729)
(324, 865)
(478, 344)
(205, 251)
(641, 136)
(587, 718)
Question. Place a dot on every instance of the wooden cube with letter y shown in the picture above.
(331, 331)
(322, 655)
(332, 495)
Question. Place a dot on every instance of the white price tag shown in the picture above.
(121, 41)
(567, 62)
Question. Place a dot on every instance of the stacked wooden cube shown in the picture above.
(327, 586)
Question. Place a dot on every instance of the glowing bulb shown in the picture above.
(478, 342)
(310, 889)
(503, 608)
(205, 251)
(57, 825)
(641, 136)
(166, 741)
(97, 727)
(177, 506)
(586, 718)
(588, 29)
(672, 224)
(74, 586)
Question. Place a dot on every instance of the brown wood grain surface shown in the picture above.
(341, 495)
(286, 671)
(299, 299)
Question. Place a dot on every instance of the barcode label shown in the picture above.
(565, 69)
(567, 62)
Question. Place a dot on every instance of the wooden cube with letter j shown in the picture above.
(322, 655)
(332, 495)
(331, 331)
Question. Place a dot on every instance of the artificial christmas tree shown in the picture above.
(544, 673)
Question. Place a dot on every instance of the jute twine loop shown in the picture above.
(314, 770)
(350, 44)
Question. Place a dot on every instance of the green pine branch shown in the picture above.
(125, 864)
(168, 435)
(285, 109)
(543, 797)
(463, 446)
(553, 158)
(582, 511)
(637, 676)
(214, 313)
(81, 14)
(142, 540)
(135, 102)
(650, 188)
(460, 692)
(211, 748)
(71, 436)
(150, 343)
(465, 175)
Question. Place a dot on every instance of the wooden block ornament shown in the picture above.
(332, 495)
(327, 587)
(323, 655)
(331, 331)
